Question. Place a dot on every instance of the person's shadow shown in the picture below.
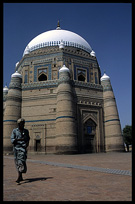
(29, 180)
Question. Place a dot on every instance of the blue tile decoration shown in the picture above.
(10, 121)
(111, 120)
(41, 85)
(54, 83)
(44, 66)
(75, 71)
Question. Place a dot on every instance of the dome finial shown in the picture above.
(58, 25)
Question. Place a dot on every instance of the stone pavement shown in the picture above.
(81, 177)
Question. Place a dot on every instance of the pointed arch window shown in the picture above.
(42, 77)
(42, 74)
(81, 75)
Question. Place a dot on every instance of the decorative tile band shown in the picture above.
(87, 85)
(29, 121)
(111, 120)
(54, 83)
(9, 120)
(40, 85)
(65, 117)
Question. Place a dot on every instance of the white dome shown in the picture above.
(105, 77)
(54, 37)
(16, 74)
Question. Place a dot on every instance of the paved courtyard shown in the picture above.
(81, 177)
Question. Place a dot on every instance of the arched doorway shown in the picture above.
(89, 136)
(37, 145)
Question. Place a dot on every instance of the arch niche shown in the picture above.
(42, 77)
(81, 77)
(89, 136)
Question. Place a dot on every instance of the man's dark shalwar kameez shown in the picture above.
(20, 148)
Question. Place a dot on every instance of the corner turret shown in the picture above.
(113, 134)
(12, 110)
(66, 136)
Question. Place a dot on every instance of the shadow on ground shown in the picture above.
(29, 180)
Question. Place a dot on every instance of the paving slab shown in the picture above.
(84, 177)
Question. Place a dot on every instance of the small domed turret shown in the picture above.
(16, 64)
(61, 45)
(5, 89)
(93, 53)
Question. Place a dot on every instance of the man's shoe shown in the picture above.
(18, 182)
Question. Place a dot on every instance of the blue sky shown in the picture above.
(107, 27)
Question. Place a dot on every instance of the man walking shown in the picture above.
(20, 139)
